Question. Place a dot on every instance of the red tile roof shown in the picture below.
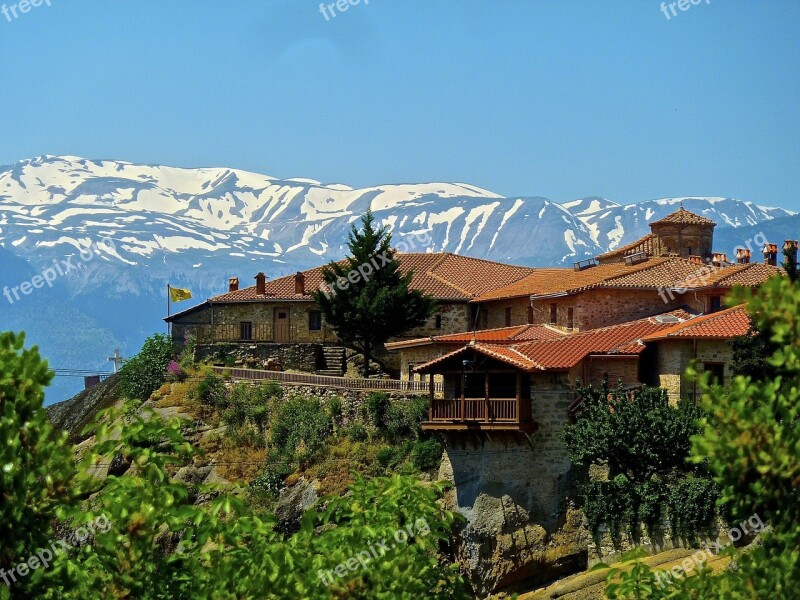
(445, 276)
(567, 351)
(616, 339)
(503, 335)
(722, 325)
(653, 273)
(683, 217)
(644, 244)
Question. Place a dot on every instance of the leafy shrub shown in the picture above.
(334, 407)
(427, 455)
(211, 391)
(385, 456)
(357, 432)
(143, 374)
(403, 419)
(300, 421)
(377, 408)
(270, 482)
(36, 465)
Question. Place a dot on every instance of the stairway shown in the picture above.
(333, 361)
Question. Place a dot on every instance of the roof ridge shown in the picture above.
(449, 283)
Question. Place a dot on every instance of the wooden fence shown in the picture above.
(327, 381)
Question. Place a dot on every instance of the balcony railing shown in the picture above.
(494, 410)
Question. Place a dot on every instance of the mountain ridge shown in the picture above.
(194, 228)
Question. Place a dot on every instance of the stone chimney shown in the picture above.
(300, 284)
(771, 254)
(788, 245)
(233, 284)
(720, 259)
(698, 260)
(743, 256)
(261, 284)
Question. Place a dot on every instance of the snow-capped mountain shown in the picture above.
(149, 225)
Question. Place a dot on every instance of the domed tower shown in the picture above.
(683, 233)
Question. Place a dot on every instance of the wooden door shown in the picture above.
(280, 326)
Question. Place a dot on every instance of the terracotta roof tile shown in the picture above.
(502, 335)
(445, 276)
(722, 325)
(568, 351)
(683, 217)
(615, 339)
(644, 244)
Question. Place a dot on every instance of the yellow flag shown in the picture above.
(179, 295)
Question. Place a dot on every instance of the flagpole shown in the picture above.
(168, 307)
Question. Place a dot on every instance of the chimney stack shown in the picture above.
(261, 284)
(719, 259)
(698, 260)
(771, 254)
(300, 284)
(743, 256)
(233, 284)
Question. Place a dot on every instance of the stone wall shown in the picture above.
(295, 357)
(493, 314)
(617, 368)
(455, 318)
(603, 548)
(421, 355)
(515, 492)
(674, 356)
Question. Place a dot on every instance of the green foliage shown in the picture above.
(404, 418)
(299, 429)
(143, 374)
(427, 455)
(369, 301)
(243, 404)
(645, 442)
(210, 391)
(334, 408)
(377, 409)
(637, 433)
(357, 432)
(36, 466)
(692, 505)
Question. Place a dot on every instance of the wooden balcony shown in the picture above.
(487, 413)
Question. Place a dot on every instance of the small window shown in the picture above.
(716, 304)
(314, 320)
(438, 323)
(553, 314)
(283, 315)
(717, 371)
(530, 315)
(246, 331)
(570, 318)
(508, 316)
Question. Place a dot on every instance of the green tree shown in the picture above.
(143, 374)
(645, 442)
(369, 300)
(36, 465)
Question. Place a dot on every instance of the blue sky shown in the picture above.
(560, 99)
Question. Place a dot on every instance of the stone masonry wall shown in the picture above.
(515, 493)
(454, 317)
(294, 357)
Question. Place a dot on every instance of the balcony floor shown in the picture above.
(528, 427)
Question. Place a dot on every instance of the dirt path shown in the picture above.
(589, 585)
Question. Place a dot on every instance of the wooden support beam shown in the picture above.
(519, 397)
(486, 396)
